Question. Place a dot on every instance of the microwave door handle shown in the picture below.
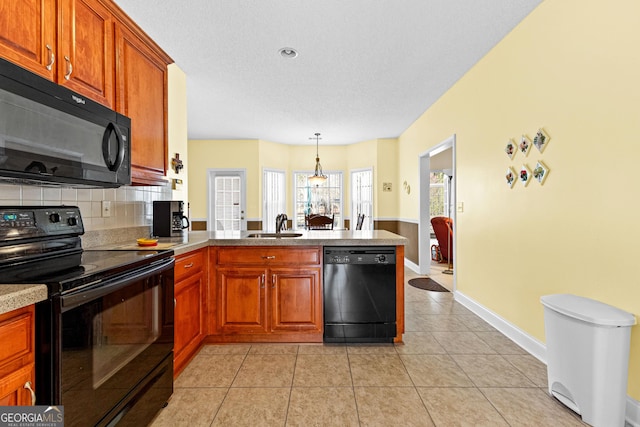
(111, 128)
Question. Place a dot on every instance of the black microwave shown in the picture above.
(51, 135)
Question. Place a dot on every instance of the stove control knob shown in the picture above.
(54, 217)
(381, 258)
(72, 221)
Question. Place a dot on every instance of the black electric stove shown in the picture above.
(104, 336)
(42, 245)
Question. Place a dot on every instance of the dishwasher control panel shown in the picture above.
(360, 255)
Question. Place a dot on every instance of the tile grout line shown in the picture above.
(229, 388)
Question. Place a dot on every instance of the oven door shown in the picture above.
(113, 338)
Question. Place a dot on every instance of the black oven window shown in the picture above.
(109, 344)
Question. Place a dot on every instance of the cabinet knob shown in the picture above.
(27, 385)
(52, 58)
(269, 257)
(262, 281)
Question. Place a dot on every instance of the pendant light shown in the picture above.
(318, 177)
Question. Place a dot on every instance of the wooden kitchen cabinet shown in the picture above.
(141, 94)
(17, 355)
(295, 296)
(269, 294)
(85, 49)
(93, 48)
(28, 35)
(71, 45)
(190, 286)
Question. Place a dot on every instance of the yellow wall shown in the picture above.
(571, 67)
(229, 154)
(255, 155)
(177, 128)
(386, 202)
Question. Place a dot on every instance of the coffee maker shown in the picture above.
(169, 219)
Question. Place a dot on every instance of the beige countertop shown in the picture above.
(200, 239)
(16, 296)
(13, 297)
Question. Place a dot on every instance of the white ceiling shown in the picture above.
(366, 68)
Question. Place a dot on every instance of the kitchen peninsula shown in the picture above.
(247, 286)
(243, 286)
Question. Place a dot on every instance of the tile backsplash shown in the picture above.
(130, 206)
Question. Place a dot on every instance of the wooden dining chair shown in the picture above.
(319, 222)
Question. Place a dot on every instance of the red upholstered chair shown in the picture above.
(443, 228)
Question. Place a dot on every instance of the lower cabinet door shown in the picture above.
(296, 300)
(189, 318)
(242, 300)
(12, 387)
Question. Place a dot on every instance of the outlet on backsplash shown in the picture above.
(106, 208)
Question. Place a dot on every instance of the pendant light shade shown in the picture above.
(318, 177)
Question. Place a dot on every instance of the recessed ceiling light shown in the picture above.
(288, 52)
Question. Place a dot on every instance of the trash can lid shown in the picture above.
(588, 310)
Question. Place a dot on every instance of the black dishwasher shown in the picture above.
(359, 294)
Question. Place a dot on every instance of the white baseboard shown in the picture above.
(533, 346)
(524, 340)
(414, 267)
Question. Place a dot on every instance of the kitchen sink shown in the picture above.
(273, 235)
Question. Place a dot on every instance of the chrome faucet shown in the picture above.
(281, 222)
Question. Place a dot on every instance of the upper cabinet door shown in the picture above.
(141, 94)
(86, 49)
(28, 34)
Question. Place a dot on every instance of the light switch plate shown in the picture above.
(460, 207)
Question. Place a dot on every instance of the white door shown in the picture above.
(227, 200)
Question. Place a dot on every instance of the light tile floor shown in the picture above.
(453, 369)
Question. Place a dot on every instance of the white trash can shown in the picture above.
(588, 356)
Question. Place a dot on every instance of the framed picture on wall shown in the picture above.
(510, 177)
(510, 149)
(525, 175)
(525, 145)
(541, 140)
(540, 172)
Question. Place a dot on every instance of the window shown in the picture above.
(438, 189)
(273, 197)
(324, 199)
(436, 194)
(362, 197)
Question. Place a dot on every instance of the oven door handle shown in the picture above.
(105, 287)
